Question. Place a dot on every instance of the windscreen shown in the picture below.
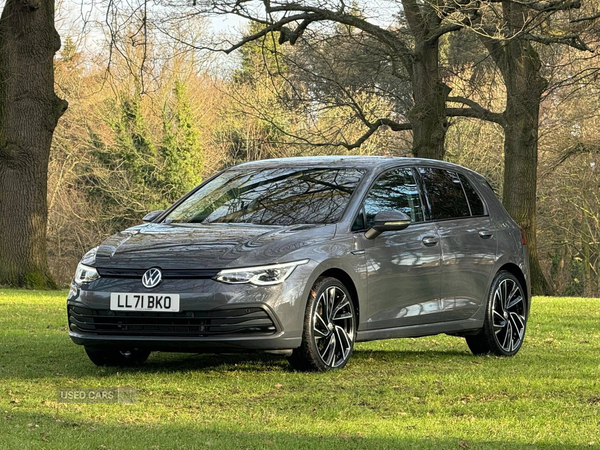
(284, 196)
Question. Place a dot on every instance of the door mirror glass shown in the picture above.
(152, 215)
(388, 221)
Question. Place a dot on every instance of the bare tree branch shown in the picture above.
(574, 150)
(385, 36)
(475, 111)
(440, 31)
(276, 26)
(544, 5)
(550, 5)
(584, 19)
(395, 126)
(572, 40)
(373, 127)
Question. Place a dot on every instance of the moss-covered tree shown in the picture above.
(29, 112)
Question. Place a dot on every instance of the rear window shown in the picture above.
(475, 202)
(445, 192)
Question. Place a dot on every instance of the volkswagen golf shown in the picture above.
(305, 257)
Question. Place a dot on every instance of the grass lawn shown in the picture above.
(411, 393)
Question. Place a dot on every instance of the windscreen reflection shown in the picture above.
(285, 196)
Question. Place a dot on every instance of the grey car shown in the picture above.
(305, 257)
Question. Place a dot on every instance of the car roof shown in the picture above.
(349, 161)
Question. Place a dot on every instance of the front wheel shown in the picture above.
(329, 328)
(505, 319)
(118, 358)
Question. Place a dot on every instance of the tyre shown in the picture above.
(329, 328)
(118, 358)
(505, 319)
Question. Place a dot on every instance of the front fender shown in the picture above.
(339, 259)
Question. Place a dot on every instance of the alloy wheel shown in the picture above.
(508, 315)
(333, 326)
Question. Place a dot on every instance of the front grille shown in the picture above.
(115, 272)
(223, 322)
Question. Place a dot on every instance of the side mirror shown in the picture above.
(152, 215)
(388, 221)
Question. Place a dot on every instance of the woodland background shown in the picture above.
(150, 117)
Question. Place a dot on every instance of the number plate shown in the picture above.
(144, 302)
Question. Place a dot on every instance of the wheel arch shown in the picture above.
(518, 273)
(346, 280)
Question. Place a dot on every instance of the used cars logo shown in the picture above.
(152, 278)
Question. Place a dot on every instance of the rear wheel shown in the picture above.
(505, 319)
(119, 358)
(329, 328)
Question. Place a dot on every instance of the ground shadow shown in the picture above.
(58, 356)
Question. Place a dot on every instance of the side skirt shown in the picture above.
(458, 327)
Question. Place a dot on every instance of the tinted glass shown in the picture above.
(475, 201)
(395, 190)
(445, 193)
(285, 196)
(359, 222)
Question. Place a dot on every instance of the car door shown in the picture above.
(468, 240)
(403, 267)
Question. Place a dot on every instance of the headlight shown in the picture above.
(260, 276)
(85, 274)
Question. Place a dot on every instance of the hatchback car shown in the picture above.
(305, 257)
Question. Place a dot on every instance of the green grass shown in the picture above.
(411, 393)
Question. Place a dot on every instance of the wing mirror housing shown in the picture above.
(152, 215)
(388, 221)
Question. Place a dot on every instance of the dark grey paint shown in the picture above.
(430, 278)
(401, 267)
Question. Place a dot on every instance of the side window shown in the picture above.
(359, 222)
(477, 208)
(395, 190)
(445, 193)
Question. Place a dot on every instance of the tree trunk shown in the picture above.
(524, 88)
(29, 111)
(428, 114)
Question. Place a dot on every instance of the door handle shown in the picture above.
(485, 234)
(430, 241)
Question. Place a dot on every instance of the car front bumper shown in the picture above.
(213, 316)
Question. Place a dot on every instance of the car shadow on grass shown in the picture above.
(215, 361)
(265, 362)
(71, 361)
(43, 356)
